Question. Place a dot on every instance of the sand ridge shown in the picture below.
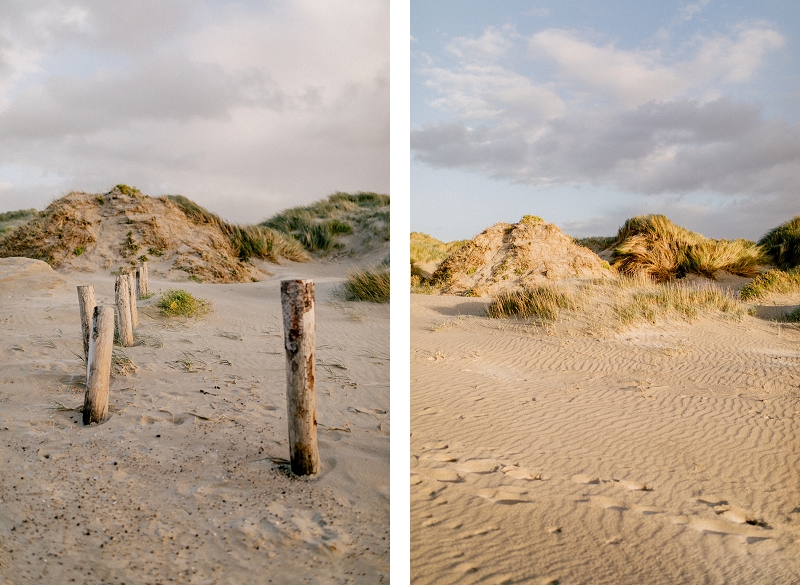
(187, 480)
(655, 455)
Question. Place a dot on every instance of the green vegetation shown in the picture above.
(174, 303)
(252, 241)
(538, 302)
(368, 284)
(782, 244)
(792, 316)
(426, 249)
(125, 190)
(79, 250)
(653, 245)
(531, 219)
(596, 243)
(772, 281)
(317, 226)
(12, 219)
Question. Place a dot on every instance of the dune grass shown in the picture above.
(667, 300)
(617, 304)
(249, 241)
(782, 244)
(792, 316)
(317, 226)
(12, 219)
(541, 302)
(426, 249)
(653, 245)
(596, 243)
(772, 281)
(180, 303)
(367, 284)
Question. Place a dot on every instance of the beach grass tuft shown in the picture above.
(772, 281)
(653, 245)
(782, 244)
(367, 284)
(541, 302)
(177, 302)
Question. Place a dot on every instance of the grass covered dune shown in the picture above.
(182, 240)
(650, 261)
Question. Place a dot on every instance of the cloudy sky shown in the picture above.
(247, 107)
(587, 113)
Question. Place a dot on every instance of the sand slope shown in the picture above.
(186, 482)
(656, 456)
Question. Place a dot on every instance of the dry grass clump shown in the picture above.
(772, 281)
(177, 302)
(317, 226)
(684, 301)
(782, 244)
(252, 241)
(617, 304)
(655, 246)
(367, 284)
(541, 302)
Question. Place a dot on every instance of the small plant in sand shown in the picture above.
(126, 190)
(792, 316)
(782, 244)
(179, 303)
(367, 284)
(536, 302)
(772, 281)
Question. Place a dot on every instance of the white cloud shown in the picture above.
(263, 105)
(629, 118)
(492, 45)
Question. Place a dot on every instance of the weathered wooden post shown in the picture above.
(87, 303)
(98, 365)
(123, 299)
(141, 277)
(297, 300)
(132, 291)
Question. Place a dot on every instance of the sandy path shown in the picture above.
(530, 452)
(185, 482)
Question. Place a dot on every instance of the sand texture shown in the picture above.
(187, 481)
(656, 455)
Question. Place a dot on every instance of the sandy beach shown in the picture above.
(187, 481)
(658, 454)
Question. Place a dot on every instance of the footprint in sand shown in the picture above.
(609, 503)
(477, 466)
(585, 479)
(647, 510)
(507, 495)
(435, 446)
(634, 486)
(443, 457)
(446, 475)
(515, 472)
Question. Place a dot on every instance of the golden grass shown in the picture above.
(772, 281)
(426, 249)
(617, 304)
(653, 245)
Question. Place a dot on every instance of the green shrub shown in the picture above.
(178, 302)
(782, 244)
(368, 284)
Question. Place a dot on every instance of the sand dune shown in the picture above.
(657, 455)
(186, 481)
